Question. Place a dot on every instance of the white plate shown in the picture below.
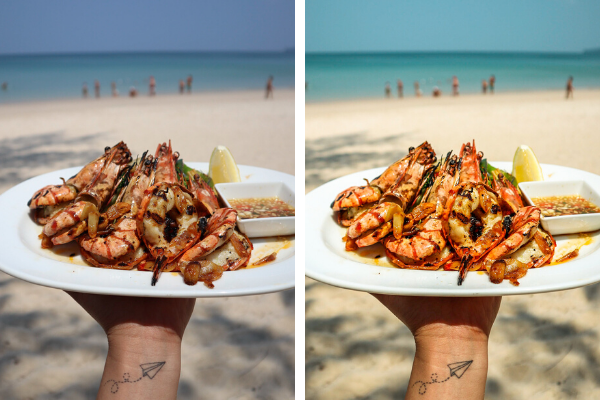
(328, 262)
(22, 257)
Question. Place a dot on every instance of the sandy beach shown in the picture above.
(542, 346)
(234, 348)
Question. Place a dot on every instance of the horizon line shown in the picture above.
(384, 52)
(141, 52)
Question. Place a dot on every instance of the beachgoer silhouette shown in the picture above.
(570, 87)
(269, 88)
(400, 88)
(436, 91)
(454, 86)
(189, 84)
(492, 82)
(97, 88)
(132, 91)
(417, 89)
(388, 90)
(84, 90)
(4, 85)
(484, 86)
(181, 86)
(113, 88)
(152, 85)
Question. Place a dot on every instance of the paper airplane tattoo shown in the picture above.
(456, 369)
(150, 370)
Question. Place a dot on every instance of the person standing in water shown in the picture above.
(113, 88)
(417, 89)
(189, 84)
(84, 90)
(97, 88)
(454, 86)
(400, 89)
(181, 86)
(492, 83)
(484, 86)
(388, 90)
(152, 86)
(570, 87)
(269, 89)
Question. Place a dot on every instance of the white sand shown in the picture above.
(234, 348)
(542, 346)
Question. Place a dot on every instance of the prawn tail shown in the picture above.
(157, 269)
(464, 268)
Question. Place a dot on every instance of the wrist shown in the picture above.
(131, 331)
(450, 362)
(447, 340)
(142, 362)
(442, 332)
(134, 344)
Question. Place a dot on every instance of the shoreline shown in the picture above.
(169, 95)
(447, 95)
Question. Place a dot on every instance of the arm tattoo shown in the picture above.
(457, 369)
(150, 370)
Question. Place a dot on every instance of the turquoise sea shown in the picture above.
(44, 77)
(348, 76)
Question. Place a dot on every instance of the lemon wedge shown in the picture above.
(222, 167)
(526, 167)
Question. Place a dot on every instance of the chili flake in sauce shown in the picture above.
(262, 207)
(554, 206)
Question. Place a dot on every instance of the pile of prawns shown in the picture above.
(152, 213)
(452, 214)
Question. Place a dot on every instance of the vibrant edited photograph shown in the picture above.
(453, 242)
(147, 190)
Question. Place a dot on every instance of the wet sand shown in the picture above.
(542, 346)
(234, 348)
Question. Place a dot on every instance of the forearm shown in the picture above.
(450, 366)
(142, 363)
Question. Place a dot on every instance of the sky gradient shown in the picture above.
(436, 25)
(71, 26)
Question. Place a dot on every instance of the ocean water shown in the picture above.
(44, 77)
(347, 76)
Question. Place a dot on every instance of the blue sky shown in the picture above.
(59, 26)
(462, 25)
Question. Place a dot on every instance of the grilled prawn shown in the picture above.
(83, 214)
(473, 217)
(167, 220)
(423, 244)
(374, 224)
(51, 199)
(118, 245)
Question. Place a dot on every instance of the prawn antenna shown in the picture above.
(157, 269)
(464, 268)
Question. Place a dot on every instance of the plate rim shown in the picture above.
(322, 251)
(283, 272)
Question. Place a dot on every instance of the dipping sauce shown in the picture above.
(554, 206)
(262, 207)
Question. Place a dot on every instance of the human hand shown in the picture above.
(141, 331)
(451, 336)
(431, 316)
(117, 314)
